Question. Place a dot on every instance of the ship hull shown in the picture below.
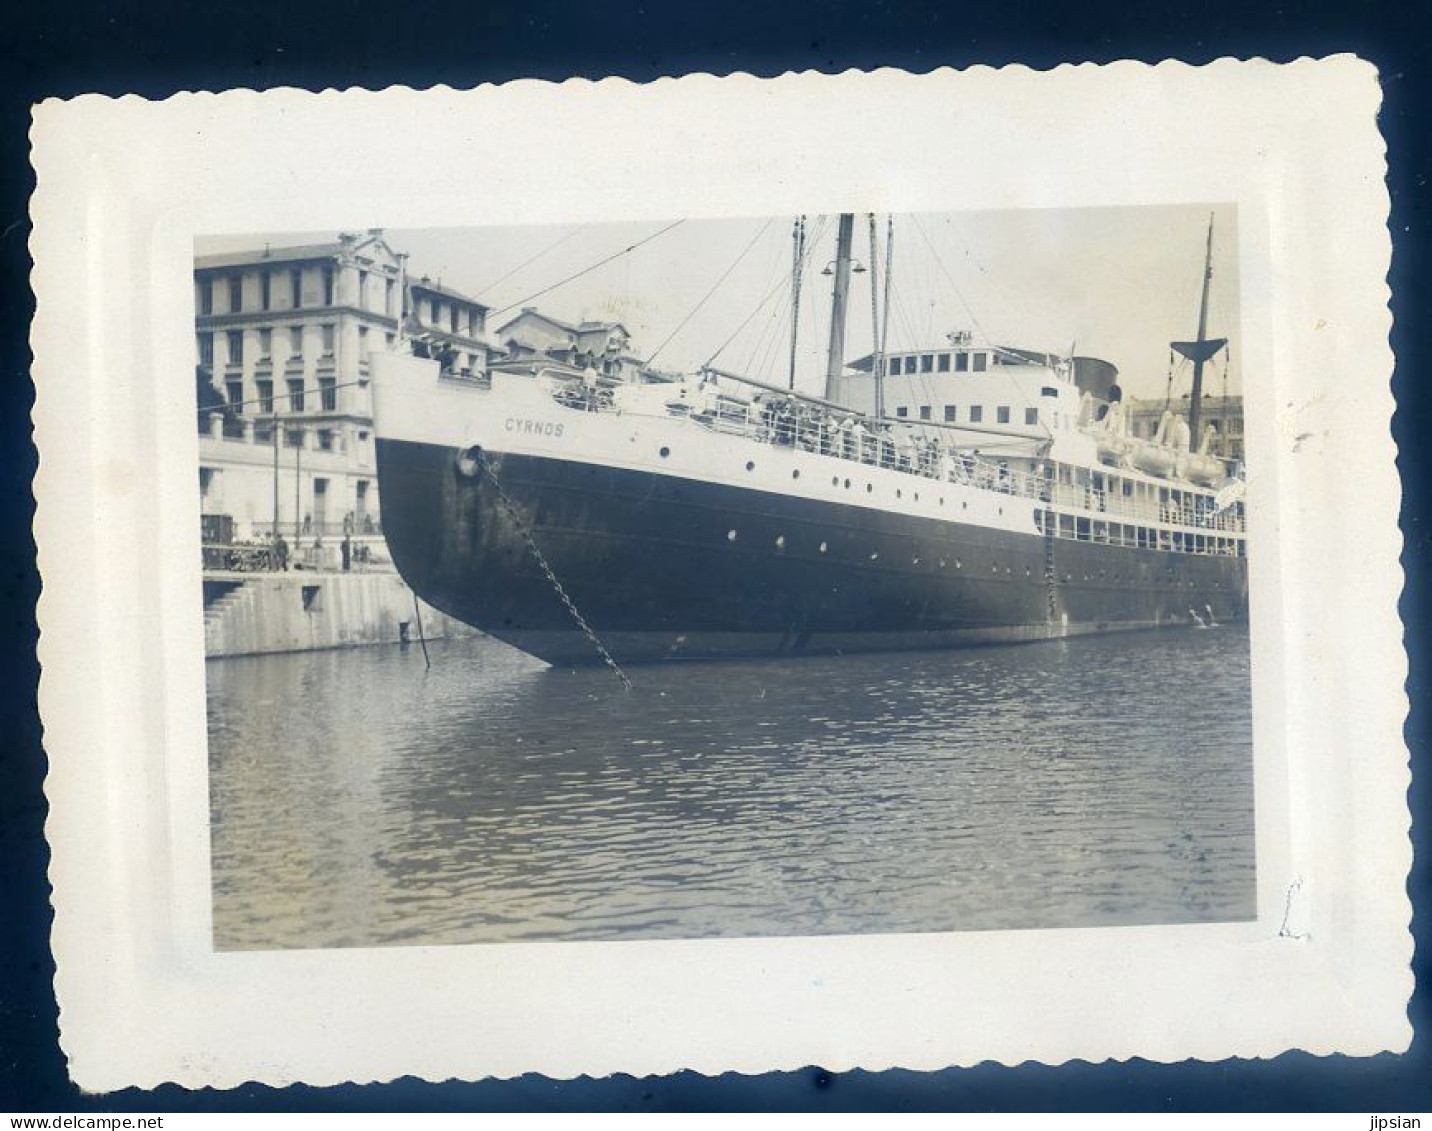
(664, 567)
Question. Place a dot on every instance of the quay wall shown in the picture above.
(256, 614)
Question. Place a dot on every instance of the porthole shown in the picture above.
(847, 484)
(1001, 510)
(750, 465)
(664, 452)
(795, 473)
(869, 487)
(730, 536)
(917, 496)
(835, 480)
(899, 494)
(942, 500)
(964, 506)
(780, 541)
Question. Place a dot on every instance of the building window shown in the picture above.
(266, 289)
(962, 362)
(924, 412)
(1046, 391)
(976, 413)
(328, 337)
(234, 392)
(902, 412)
(892, 366)
(1031, 416)
(1001, 414)
(362, 289)
(927, 363)
(390, 339)
(293, 437)
(944, 363)
(295, 394)
(265, 391)
(362, 341)
(295, 340)
(206, 297)
(295, 285)
(325, 439)
(388, 299)
(265, 343)
(950, 414)
(328, 393)
(328, 286)
(452, 318)
(981, 360)
(236, 294)
(236, 347)
(206, 349)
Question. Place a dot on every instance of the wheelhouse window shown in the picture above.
(944, 363)
(927, 363)
(976, 413)
(1001, 414)
(950, 413)
(981, 361)
(962, 362)
(1031, 416)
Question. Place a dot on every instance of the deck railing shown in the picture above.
(904, 447)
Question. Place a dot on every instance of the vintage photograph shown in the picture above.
(804, 574)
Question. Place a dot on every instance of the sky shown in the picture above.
(1115, 283)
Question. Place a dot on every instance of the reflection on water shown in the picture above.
(360, 800)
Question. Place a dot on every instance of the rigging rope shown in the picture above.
(586, 270)
(715, 287)
(528, 262)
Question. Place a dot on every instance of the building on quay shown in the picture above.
(283, 338)
(533, 340)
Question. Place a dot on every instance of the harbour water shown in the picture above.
(360, 799)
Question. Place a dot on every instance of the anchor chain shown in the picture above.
(541, 560)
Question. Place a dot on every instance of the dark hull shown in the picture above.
(648, 561)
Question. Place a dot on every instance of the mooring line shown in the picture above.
(516, 515)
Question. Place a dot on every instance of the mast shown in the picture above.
(1202, 348)
(840, 292)
(875, 359)
(797, 260)
(885, 318)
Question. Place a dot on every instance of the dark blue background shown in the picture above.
(62, 49)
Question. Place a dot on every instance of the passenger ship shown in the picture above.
(1004, 499)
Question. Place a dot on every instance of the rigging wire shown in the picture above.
(714, 288)
(588, 270)
(528, 262)
(782, 280)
